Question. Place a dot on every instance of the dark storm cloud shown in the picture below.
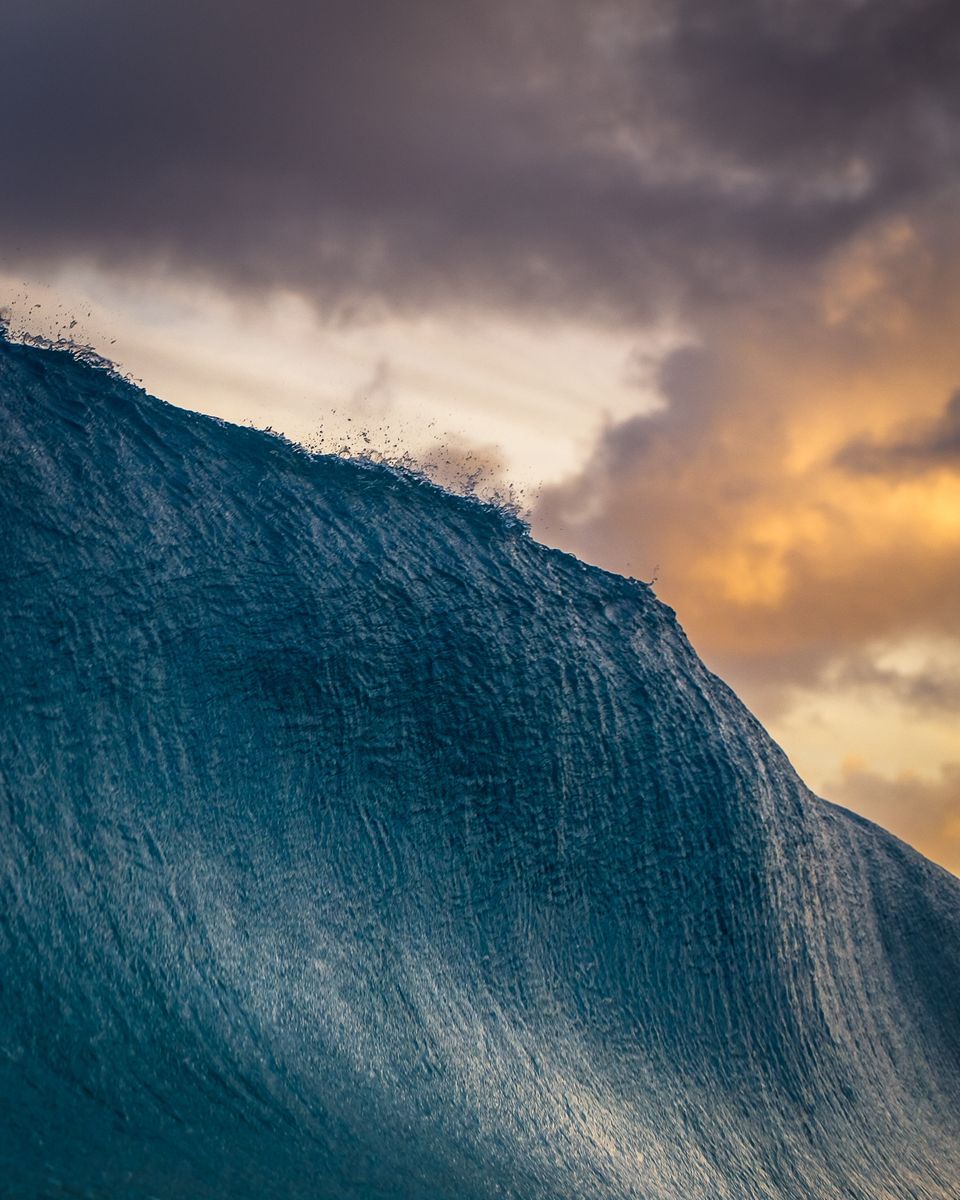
(920, 446)
(607, 157)
(810, 85)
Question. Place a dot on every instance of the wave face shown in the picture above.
(354, 845)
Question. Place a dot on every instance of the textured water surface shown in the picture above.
(354, 845)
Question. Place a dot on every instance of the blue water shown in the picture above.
(352, 844)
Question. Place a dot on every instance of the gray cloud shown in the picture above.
(610, 158)
(919, 447)
(929, 688)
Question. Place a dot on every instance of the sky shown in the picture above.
(684, 276)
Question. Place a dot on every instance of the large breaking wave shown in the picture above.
(354, 845)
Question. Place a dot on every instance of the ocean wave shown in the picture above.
(352, 844)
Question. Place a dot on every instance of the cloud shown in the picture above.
(607, 159)
(922, 811)
(930, 687)
(923, 447)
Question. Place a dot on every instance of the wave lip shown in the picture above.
(354, 845)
